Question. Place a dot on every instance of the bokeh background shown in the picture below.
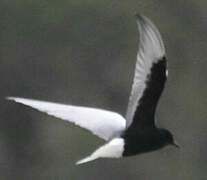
(83, 53)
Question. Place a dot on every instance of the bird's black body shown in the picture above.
(142, 135)
(146, 140)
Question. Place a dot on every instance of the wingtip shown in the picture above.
(142, 20)
(82, 161)
(15, 99)
(9, 98)
(79, 163)
(138, 15)
(148, 28)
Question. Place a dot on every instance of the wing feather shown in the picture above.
(104, 124)
(151, 50)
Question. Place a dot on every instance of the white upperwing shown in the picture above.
(151, 49)
(104, 124)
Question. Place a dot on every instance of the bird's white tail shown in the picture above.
(113, 149)
(85, 160)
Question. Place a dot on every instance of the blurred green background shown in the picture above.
(83, 52)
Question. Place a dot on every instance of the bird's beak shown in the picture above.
(176, 144)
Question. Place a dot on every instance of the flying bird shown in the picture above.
(137, 132)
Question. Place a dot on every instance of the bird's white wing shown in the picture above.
(104, 124)
(151, 50)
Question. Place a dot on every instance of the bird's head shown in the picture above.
(169, 139)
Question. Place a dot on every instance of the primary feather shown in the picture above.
(105, 124)
(151, 50)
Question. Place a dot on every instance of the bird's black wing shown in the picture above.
(150, 76)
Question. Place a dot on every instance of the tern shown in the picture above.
(137, 132)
